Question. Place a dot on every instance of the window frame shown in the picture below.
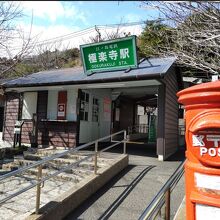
(84, 106)
(95, 109)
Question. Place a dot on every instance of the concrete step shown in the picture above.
(58, 163)
(74, 177)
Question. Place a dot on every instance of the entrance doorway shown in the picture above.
(135, 110)
(104, 111)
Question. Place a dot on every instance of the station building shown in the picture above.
(66, 107)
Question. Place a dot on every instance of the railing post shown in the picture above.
(39, 176)
(125, 138)
(167, 205)
(96, 155)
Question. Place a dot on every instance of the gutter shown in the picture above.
(156, 76)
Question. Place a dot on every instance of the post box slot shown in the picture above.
(209, 131)
(207, 123)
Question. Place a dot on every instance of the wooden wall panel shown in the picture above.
(58, 134)
(11, 115)
(171, 113)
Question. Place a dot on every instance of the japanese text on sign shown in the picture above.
(117, 54)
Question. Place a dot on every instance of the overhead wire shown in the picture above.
(88, 30)
(79, 33)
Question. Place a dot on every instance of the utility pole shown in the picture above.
(99, 34)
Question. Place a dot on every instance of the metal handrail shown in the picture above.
(163, 196)
(55, 156)
(43, 180)
(70, 166)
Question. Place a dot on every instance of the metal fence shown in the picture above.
(139, 128)
(144, 128)
(40, 179)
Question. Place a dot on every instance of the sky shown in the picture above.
(44, 20)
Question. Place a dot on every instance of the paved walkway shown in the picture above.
(128, 194)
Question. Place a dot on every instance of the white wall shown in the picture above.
(52, 104)
(71, 104)
(29, 105)
(72, 95)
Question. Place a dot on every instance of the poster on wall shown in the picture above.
(140, 110)
(61, 110)
(107, 109)
(61, 106)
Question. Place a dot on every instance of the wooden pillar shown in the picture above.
(78, 116)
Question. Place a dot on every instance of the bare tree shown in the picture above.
(194, 36)
(103, 34)
(47, 54)
(9, 34)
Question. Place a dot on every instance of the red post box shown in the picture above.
(202, 168)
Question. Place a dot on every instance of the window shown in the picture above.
(84, 106)
(29, 105)
(95, 110)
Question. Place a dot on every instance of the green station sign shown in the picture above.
(109, 55)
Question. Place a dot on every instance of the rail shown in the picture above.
(39, 165)
(163, 196)
(139, 128)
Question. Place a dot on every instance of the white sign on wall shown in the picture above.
(140, 110)
(61, 110)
